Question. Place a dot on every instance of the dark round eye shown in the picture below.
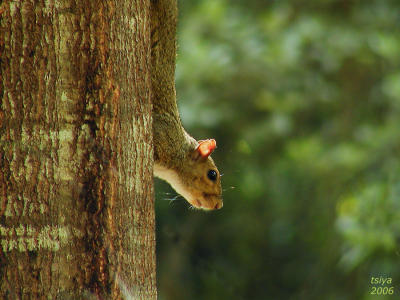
(212, 175)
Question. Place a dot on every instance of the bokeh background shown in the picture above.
(303, 98)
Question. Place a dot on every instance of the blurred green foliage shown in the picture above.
(303, 98)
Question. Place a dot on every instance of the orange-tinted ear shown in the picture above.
(206, 147)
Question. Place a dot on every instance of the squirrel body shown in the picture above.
(178, 158)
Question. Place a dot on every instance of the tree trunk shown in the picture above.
(76, 157)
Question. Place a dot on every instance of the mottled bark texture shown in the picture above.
(76, 157)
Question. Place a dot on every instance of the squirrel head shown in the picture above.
(205, 183)
(197, 179)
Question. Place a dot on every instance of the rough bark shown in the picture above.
(76, 158)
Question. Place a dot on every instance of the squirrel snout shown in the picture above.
(209, 202)
(218, 205)
(209, 205)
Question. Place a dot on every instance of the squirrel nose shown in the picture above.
(218, 205)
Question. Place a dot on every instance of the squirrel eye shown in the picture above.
(212, 175)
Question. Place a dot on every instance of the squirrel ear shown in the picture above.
(206, 147)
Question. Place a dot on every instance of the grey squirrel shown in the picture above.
(178, 158)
